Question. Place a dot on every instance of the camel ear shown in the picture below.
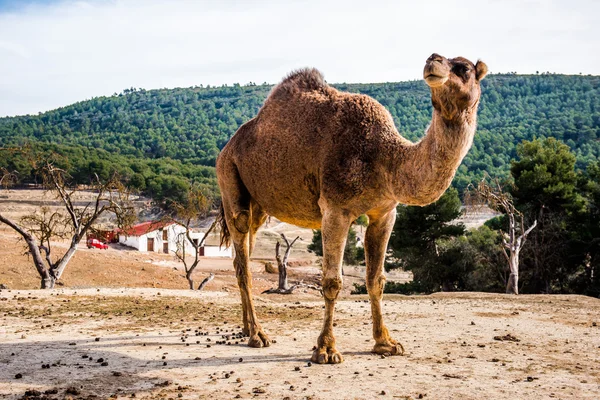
(481, 69)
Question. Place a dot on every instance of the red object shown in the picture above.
(97, 244)
(103, 236)
(143, 228)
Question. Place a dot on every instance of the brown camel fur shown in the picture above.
(319, 158)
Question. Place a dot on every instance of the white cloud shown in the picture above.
(56, 54)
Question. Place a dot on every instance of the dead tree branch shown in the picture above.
(196, 207)
(496, 198)
(282, 265)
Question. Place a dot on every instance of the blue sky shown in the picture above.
(54, 53)
(16, 4)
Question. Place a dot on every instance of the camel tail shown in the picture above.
(222, 224)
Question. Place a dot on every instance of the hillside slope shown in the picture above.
(191, 125)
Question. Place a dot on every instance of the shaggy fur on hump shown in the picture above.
(302, 80)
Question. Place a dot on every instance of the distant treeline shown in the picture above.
(159, 139)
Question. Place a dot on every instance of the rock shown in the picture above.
(270, 268)
(72, 390)
(507, 338)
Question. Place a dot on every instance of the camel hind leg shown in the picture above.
(236, 203)
(257, 218)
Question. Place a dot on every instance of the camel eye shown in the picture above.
(461, 70)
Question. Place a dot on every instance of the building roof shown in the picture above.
(144, 227)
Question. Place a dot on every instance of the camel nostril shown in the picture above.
(435, 57)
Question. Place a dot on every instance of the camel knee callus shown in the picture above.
(331, 288)
(348, 159)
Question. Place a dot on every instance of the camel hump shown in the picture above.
(302, 80)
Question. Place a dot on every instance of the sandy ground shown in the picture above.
(158, 343)
(123, 325)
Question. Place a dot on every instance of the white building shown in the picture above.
(163, 237)
(211, 247)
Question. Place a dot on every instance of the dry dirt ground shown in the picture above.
(102, 336)
(157, 343)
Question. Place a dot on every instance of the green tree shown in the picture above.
(489, 271)
(352, 254)
(422, 237)
(586, 244)
(546, 189)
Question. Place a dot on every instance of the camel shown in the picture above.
(319, 158)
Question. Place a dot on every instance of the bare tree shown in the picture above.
(196, 207)
(185, 240)
(41, 229)
(282, 263)
(513, 241)
(282, 266)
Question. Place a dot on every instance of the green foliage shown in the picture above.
(441, 254)
(488, 270)
(316, 246)
(545, 177)
(191, 125)
(587, 240)
(164, 179)
(547, 189)
(353, 255)
(407, 288)
(363, 220)
(418, 228)
(420, 236)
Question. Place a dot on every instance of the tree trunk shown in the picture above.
(282, 268)
(206, 280)
(190, 281)
(283, 281)
(58, 268)
(47, 280)
(512, 286)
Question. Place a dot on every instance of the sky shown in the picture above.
(57, 52)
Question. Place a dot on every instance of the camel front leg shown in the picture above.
(334, 230)
(376, 240)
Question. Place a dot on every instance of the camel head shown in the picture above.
(454, 84)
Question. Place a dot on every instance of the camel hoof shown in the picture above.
(326, 356)
(335, 357)
(319, 357)
(265, 339)
(259, 339)
(392, 348)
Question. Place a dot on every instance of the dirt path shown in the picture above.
(161, 343)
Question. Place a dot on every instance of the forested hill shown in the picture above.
(191, 125)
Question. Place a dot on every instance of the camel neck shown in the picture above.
(426, 169)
